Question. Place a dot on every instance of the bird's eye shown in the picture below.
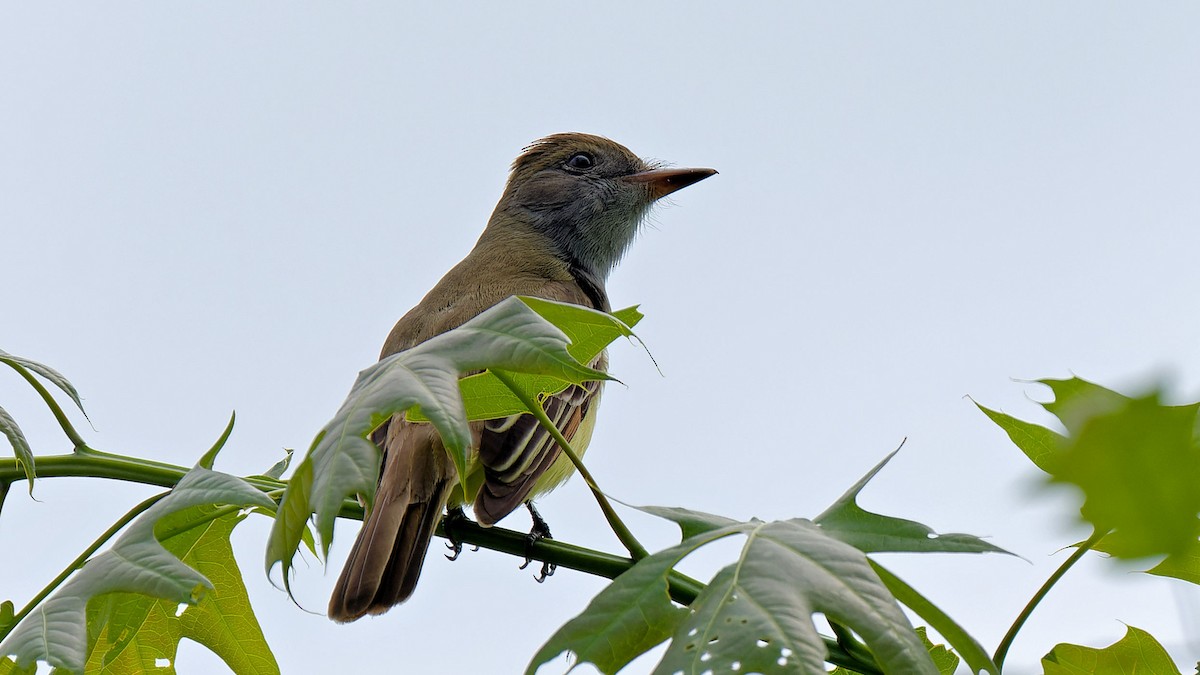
(580, 161)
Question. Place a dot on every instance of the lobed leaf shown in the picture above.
(424, 382)
(1138, 468)
(871, 532)
(1137, 652)
(1136, 460)
(1076, 400)
(754, 616)
(1038, 443)
(485, 397)
(1184, 564)
(129, 632)
(57, 632)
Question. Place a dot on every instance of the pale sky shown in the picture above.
(216, 206)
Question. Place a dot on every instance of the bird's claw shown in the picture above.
(453, 517)
(538, 532)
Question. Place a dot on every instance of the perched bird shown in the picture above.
(570, 210)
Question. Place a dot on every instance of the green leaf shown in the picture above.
(944, 659)
(691, 523)
(1136, 460)
(7, 613)
(51, 375)
(210, 457)
(972, 652)
(129, 632)
(57, 632)
(1076, 400)
(589, 331)
(20, 445)
(342, 462)
(9, 667)
(1137, 652)
(277, 469)
(755, 613)
(1038, 443)
(1184, 564)
(1138, 468)
(870, 532)
(629, 617)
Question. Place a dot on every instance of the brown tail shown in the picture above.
(386, 560)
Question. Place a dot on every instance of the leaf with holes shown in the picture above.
(57, 632)
(754, 616)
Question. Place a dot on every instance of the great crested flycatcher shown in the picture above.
(571, 208)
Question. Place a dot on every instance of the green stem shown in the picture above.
(83, 557)
(849, 643)
(96, 464)
(56, 409)
(1006, 642)
(635, 548)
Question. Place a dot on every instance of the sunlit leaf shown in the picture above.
(9, 667)
(129, 632)
(1038, 443)
(1184, 564)
(485, 397)
(137, 563)
(1137, 652)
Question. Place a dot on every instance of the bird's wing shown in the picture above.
(515, 451)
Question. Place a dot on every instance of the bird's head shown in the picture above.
(587, 195)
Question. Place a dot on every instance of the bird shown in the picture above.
(571, 207)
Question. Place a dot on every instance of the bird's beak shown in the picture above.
(663, 182)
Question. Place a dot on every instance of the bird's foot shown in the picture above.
(538, 532)
(454, 516)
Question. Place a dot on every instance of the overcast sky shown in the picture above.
(216, 206)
